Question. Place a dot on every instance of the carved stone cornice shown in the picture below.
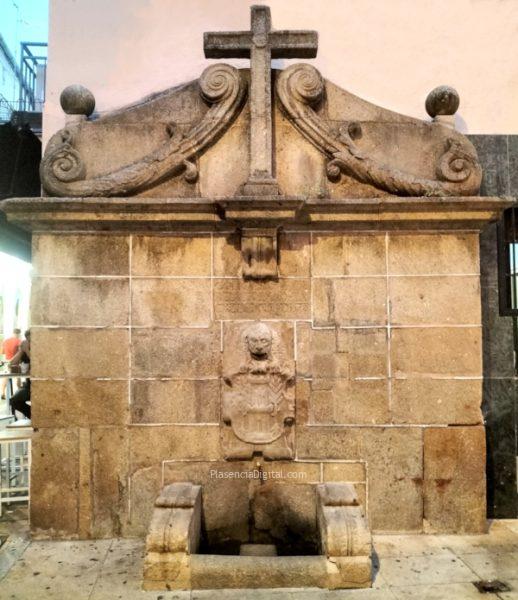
(63, 172)
(227, 214)
(301, 87)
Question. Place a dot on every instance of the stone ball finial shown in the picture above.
(77, 100)
(442, 100)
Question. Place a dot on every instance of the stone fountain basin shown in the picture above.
(172, 561)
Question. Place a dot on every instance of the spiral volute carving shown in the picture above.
(217, 82)
(455, 164)
(306, 83)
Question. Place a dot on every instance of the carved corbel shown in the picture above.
(259, 251)
(301, 87)
(63, 172)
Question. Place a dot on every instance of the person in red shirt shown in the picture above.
(10, 348)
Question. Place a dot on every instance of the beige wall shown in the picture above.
(391, 52)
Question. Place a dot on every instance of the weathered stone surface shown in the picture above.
(448, 351)
(167, 571)
(84, 353)
(215, 572)
(77, 100)
(394, 458)
(54, 509)
(150, 445)
(171, 302)
(224, 167)
(454, 479)
(182, 353)
(333, 442)
(224, 494)
(109, 487)
(69, 254)
(257, 550)
(352, 472)
(342, 525)
(338, 401)
(345, 353)
(436, 401)
(80, 302)
(299, 165)
(433, 254)
(144, 486)
(394, 464)
(156, 256)
(335, 255)
(79, 403)
(342, 302)
(436, 300)
(287, 299)
(181, 401)
(285, 514)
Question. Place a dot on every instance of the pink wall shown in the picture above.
(392, 52)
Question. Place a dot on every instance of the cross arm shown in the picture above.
(293, 44)
(232, 44)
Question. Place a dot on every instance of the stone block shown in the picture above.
(350, 302)
(182, 353)
(165, 571)
(172, 256)
(150, 445)
(71, 254)
(394, 459)
(294, 255)
(84, 353)
(346, 353)
(350, 401)
(454, 479)
(216, 572)
(175, 401)
(444, 351)
(433, 254)
(110, 455)
(342, 526)
(362, 352)
(352, 472)
(79, 302)
(225, 496)
(435, 300)
(79, 403)
(171, 302)
(54, 509)
(300, 167)
(329, 442)
(144, 486)
(283, 299)
(224, 167)
(436, 401)
(336, 255)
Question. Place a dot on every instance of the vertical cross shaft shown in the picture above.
(261, 44)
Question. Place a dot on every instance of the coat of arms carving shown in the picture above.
(258, 410)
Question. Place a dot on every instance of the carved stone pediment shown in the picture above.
(193, 141)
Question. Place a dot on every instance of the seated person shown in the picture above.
(19, 401)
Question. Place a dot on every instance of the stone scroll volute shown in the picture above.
(258, 399)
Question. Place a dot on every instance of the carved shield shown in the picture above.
(257, 408)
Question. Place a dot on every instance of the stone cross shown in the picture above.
(261, 44)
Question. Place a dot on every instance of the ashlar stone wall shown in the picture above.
(128, 337)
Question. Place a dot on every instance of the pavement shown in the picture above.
(407, 567)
